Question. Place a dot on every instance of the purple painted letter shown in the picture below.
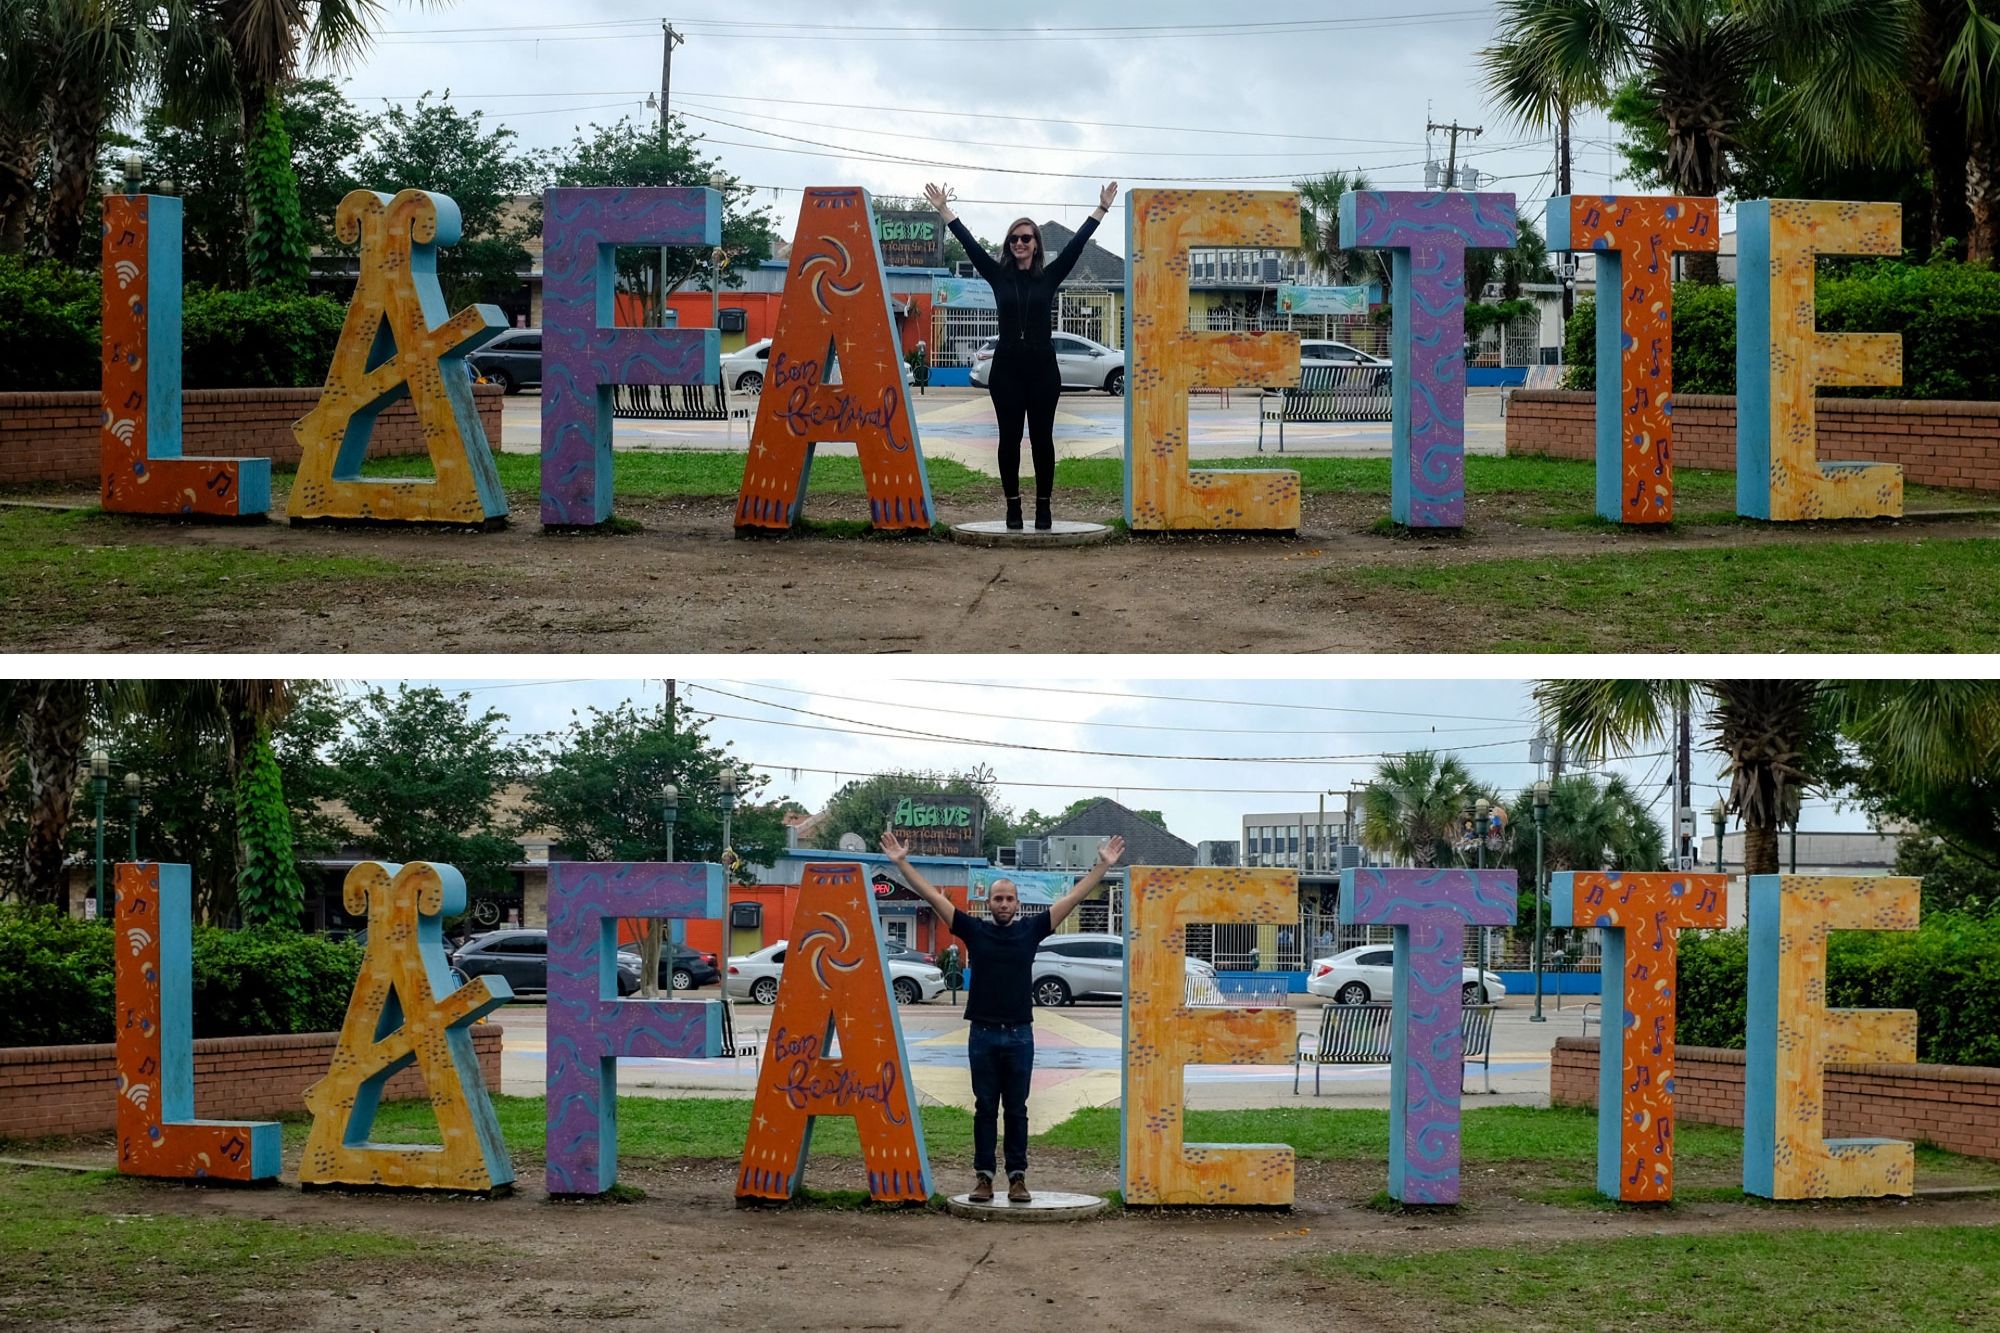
(1427, 236)
(583, 357)
(590, 1028)
(1430, 910)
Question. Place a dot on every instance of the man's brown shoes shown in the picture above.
(982, 1192)
(1017, 1190)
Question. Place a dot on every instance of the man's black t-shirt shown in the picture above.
(1003, 965)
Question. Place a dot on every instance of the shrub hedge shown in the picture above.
(1948, 970)
(1948, 315)
(56, 975)
(229, 339)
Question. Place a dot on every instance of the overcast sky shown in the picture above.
(1280, 742)
(995, 98)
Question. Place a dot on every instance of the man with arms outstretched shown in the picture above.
(1001, 1045)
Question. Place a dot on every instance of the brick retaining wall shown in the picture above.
(54, 436)
(48, 1090)
(1957, 1107)
(1937, 443)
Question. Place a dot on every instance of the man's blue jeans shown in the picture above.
(1002, 1056)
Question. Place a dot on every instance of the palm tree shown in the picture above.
(1412, 809)
(51, 718)
(1699, 59)
(1591, 825)
(1319, 230)
(1775, 735)
(94, 54)
(235, 55)
(1891, 80)
(238, 717)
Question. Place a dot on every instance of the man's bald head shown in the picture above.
(1003, 901)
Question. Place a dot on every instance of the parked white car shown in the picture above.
(755, 976)
(1368, 973)
(1084, 364)
(1083, 966)
(743, 369)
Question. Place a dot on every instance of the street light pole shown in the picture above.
(1541, 814)
(100, 778)
(728, 810)
(1720, 811)
(132, 801)
(670, 805)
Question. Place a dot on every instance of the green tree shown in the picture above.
(92, 55)
(864, 807)
(1319, 231)
(1954, 881)
(424, 775)
(434, 146)
(1698, 59)
(220, 56)
(630, 153)
(1592, 824)
(598, 786)
(1927, 753)
(1412, 808)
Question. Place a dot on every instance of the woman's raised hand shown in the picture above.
(1107, 195)
(940, 197)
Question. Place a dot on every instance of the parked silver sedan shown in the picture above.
(755, 976)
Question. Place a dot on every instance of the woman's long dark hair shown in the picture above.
(1007, 247)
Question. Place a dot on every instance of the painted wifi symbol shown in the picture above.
(127, 271)
(139, 1094)
(124, 428)
(138, 939)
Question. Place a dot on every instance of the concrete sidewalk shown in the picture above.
(958, 424)
(1078, 1057)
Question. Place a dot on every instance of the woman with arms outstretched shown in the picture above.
(1024, 380)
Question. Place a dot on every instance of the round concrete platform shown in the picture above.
(995, 532)
(1047, 1206)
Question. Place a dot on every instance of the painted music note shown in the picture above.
(1595, 896)
(234, 1147)
(1663, 1131)
(1638, 1169)
(1640, 971)
(1626, 896)
(1659, 1034)
(1643, 1079)
(1707, 901)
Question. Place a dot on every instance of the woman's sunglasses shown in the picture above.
(1021, 238)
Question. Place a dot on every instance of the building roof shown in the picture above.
(1146, 843)
(1097, 264)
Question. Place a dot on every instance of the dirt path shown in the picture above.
(522, 1261)
(685, 582)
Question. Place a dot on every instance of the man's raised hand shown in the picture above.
(1110, 850)
(892, 847)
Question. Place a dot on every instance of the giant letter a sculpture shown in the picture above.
(836, 315)
(836, 988)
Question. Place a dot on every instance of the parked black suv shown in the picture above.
(513, 360)
(522, 956)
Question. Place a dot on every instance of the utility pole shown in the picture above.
(669, 40)
(1563, 188)
(1684, 794)
(1454, 129)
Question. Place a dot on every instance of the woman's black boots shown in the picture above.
(1013, 513)
(1043, 521)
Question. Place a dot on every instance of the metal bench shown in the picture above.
(682, 402)
(1326, 394)
(736, 1047)
(1358, 1034)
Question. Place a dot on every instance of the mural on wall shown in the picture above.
(835, 991)
(1639, 917)
(1168, 359)
(589, 1028)
(404, 1011)
(1634, 239)
(1430, 910)
(1782, 358)
(1163, 1035)
(1792, 1037)
(835, 373)
(1427, 236)
(584, 357)
(153, 997)
(140, 466)
(396, 344)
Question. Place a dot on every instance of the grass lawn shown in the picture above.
(696, 472)
(67, 1238)
(1914, 1278)
(1828, 597)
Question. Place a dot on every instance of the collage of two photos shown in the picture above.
(1095, 665)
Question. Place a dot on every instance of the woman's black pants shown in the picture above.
(1025, 389)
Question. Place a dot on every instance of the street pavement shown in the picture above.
(958, 424)
(1078, 1051)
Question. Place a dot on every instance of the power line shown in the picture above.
(902, 705)
(1210, 701)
